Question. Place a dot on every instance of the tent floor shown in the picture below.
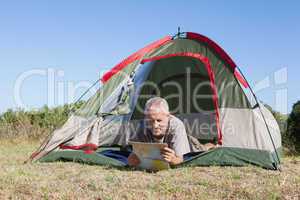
(221, 156)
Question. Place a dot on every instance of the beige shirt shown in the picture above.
(175, 137)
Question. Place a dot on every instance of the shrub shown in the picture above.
(293, 128)
(34, 124)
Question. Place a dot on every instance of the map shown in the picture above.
(149, 155)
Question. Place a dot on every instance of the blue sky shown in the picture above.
(81, 38)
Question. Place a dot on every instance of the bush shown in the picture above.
(33, 124)
(293, 128)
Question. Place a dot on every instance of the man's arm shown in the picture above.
(170, 156)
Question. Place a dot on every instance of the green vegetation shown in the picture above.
(34, 125)
(292, 136)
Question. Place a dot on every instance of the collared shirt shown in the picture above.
(175, 137)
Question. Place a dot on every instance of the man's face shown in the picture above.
(157, 122)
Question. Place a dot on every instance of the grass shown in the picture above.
(78, 181)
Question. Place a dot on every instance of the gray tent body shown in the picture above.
(245, 130)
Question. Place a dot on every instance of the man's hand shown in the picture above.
(170, 156)
(133, 160)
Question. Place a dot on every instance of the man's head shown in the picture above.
(157, 116)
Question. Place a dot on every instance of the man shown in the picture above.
(162, 127)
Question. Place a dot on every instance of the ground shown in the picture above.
(66, 180)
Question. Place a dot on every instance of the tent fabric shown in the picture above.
(245, 132)
(74, 125)
(210, 73)
(240, 78)
(213, 45)
(139, 54)
(81, 157)
(223, 156)
(251, 134)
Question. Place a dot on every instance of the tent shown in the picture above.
(204, 88)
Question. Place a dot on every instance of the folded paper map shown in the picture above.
(150, 156)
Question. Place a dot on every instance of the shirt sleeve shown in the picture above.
(180, 143)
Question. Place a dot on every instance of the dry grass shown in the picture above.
(77, 181)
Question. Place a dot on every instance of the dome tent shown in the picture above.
(203, 87)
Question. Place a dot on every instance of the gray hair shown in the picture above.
(161, 105)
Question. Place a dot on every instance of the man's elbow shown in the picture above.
(177, 160)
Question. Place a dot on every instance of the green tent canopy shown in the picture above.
(203, 87)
